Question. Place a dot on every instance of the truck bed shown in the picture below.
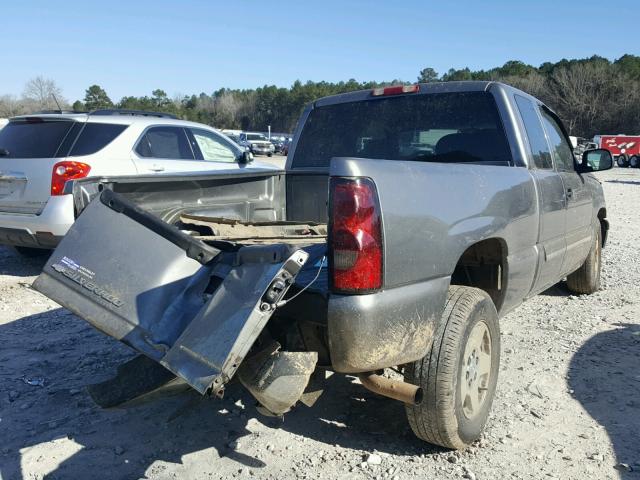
(215, 229)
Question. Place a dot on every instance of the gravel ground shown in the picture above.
(567, 407)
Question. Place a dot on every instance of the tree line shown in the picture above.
(592, 95)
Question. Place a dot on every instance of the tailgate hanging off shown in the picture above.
(193, 308)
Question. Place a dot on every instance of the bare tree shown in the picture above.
(10, 106)
(227, 106)
(42, 93)
(590, 97)
(533, 83)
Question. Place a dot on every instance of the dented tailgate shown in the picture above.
(192, 307)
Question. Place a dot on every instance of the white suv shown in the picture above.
(39, 153)
(257, 143)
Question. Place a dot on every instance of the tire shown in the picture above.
(32, 252)
(622, 161)
(634, 162)
(269, 154)
(445, 417)
(586, 280)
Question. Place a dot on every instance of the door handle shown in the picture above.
(157, 168)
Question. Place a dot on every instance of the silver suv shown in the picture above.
(39, 153)
(257, 143)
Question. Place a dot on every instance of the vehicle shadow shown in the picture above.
(625, 182)
(605, 379)
(558, 290)
(12, 263)
(125, 443)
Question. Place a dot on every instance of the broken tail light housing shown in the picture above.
(65, 171)
(355, 236)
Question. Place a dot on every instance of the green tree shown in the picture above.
(629, 65)
(592, 95)
(96, 98)
(428, 74)
(78, 106)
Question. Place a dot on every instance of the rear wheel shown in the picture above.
(586, 279)
(459, 375)
(634, 162)
(622, 161)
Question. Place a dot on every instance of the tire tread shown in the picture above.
(435, 421)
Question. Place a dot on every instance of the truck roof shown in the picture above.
(426, 88)
(433, 87)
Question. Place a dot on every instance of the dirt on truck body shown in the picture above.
(406, 222)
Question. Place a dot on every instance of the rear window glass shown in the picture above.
(94, 137)
(444, 127)
(32, 139)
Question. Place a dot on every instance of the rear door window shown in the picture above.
(94, 137)
(33, 138)
(535, 133)
(445, 127)
(165, 142)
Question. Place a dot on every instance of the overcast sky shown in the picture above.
(185, 47)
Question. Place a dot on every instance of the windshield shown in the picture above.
(256, 136)
(444, 127)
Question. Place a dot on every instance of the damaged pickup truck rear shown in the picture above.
(407, 220)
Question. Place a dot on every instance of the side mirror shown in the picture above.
(596, 160)
(246, 157)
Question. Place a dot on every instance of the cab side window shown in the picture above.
(535, 133)
(562, 152)
(165, 142)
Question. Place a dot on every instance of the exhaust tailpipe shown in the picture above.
(396, 389)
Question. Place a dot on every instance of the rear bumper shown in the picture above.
(384, 329)
(38, 231)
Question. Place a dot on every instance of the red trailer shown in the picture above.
(625, 148)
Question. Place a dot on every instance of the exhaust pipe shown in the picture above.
(396, 389)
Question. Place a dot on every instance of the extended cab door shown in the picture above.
(552, 203)
(578, 212)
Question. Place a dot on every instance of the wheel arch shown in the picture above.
(484, 265)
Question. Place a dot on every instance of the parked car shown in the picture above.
(257, 143)
(39, 153)
(363, 255)
(277, 144)
(233, 136)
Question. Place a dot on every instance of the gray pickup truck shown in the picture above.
(408, 219)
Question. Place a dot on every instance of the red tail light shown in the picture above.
(64, 171)
(355, 236)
